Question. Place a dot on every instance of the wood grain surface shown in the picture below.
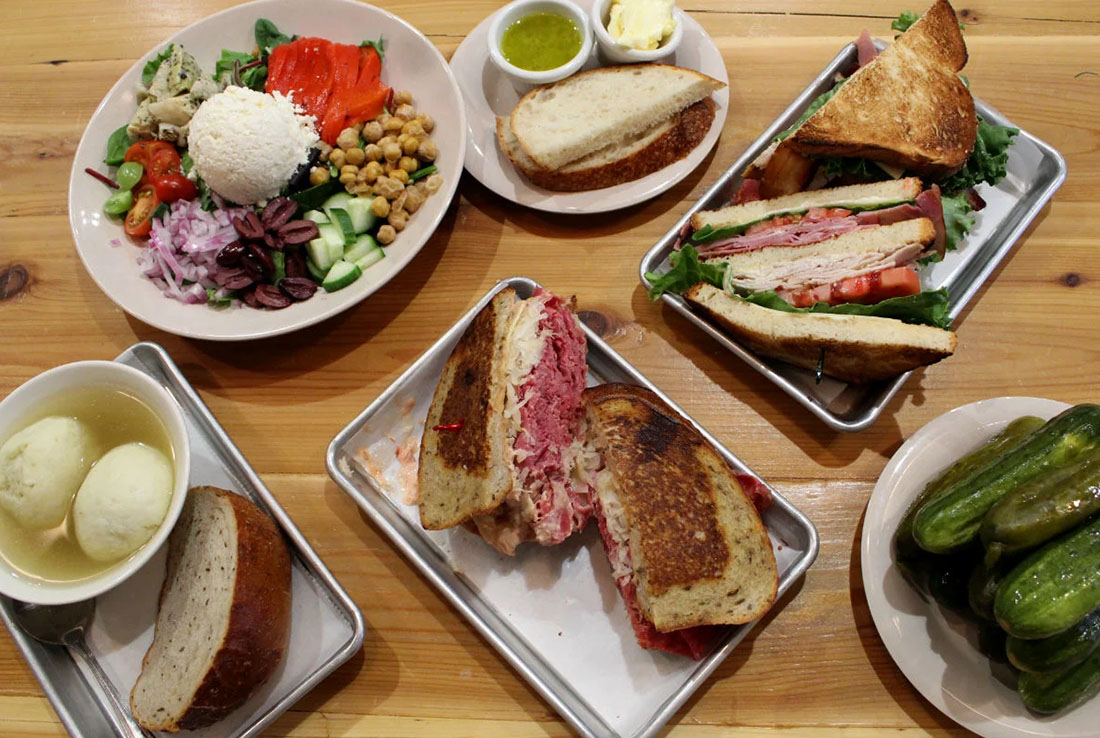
(816, 666)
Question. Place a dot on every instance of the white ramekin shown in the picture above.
(612, 52)
(22, 402)
(523, 78)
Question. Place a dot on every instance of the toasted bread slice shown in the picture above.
(906, 108)
(700, 551)
(847, 255)
(563, 122)
(465, 467)
(856, 348)
(852, 197)
(631, 158)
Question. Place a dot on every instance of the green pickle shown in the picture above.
(1059, 651)
(1060, 690)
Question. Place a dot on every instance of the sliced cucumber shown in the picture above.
(339, 200)
(342, 220)
(341, 275)
(331, 233)
(362, 219)
(320, 255)
(316, 216)
(315, 272)
(373, 257)
(363, 245)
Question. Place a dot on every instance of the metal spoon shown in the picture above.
(64, 625)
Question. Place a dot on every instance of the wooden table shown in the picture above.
(816, 665)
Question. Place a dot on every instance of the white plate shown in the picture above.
(488, 94)
(937, 652)
(411, 63)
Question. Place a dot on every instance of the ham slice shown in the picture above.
(886, 216)
(749, 191)
(865, 47)
(802, 233)
(931, 207)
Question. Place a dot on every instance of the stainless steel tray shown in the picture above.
(1035, 172)
(553, 613)
(326, 626)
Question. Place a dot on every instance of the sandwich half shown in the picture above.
(502, 450)
(686, 545)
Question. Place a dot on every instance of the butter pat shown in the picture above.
(641, 24)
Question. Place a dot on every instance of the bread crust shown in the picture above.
(258, 628)
(851, 354)
(687, 130)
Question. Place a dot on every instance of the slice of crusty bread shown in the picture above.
(224, 617)
(907, 107)
(862, 196)
(629, 158)
(560, 123)
(700, 551)
(467, 471)
(857, 348)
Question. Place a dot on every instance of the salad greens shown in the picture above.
(150, 69)
(928, 308)
(956, 218)
(987, 162)
(379, 46)
(268, 36)
(117, 144)
(812, 108)
(905, 19)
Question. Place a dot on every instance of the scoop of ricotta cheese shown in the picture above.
(246, 144)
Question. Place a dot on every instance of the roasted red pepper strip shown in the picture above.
(346, 73)
(305, 74)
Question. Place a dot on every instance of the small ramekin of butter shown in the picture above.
(536, 42)
(94, 466)
(629, 31)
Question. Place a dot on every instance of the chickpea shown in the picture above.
(393, 125)
(387, 140)
(373, 170)
(392, 152)
(386, 234)
(347, 178)
(372, 131)
(422, 188)
(414, 199)
(380, 206)
(348, 138)
(402, 97)
(355, 156)
(360, 188)
(411, 145)
(408, 163)
(400, 175)
(325, 150)
(399, 201)
(404, 113)
(398, 219)
(374, 152)
(336, 158)
(434, 182)
(318, 175)
(427, 151)
(427, 121)
(361, 176)
(388, 188)
(402, 139)
(358, 128)
(349, 169)
(414, 128)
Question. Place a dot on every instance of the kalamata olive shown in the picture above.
(259, 253)
(298, 288)
(295, 263)
(272, 241)
(249, 226)
(298, 231)
(249, 297)
(238, 279)
(269, 295)
(278, 212)
(230, 254)
(252, 267)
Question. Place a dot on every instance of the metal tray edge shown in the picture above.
(677, 303)
(706, 668)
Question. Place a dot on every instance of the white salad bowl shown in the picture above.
(411, 63)
(22, 403)
(612, 52)
(524, 79)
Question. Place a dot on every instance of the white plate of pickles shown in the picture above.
(939, 650)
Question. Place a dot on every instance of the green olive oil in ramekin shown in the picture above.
(541, 41)
(114, 417)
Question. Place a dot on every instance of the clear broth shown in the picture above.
(114, 417)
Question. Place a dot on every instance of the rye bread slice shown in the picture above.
(224, 618)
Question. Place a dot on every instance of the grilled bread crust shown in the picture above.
(907, 107)
(857, 348)
(700, 551)
(624, 161)
(466, 471)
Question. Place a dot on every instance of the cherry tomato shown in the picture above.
(139, 221)
(157, 157)
(174, 186)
